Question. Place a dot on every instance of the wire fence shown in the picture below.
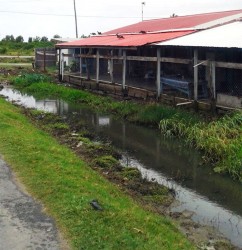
(45, 57)
(176, 79)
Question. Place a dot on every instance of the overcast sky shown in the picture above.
(31, 18)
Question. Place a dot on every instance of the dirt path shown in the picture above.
(23, 225)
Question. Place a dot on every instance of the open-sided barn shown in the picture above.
(197, 57)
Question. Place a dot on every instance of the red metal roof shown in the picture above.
(179, 22)
(163, 29)
(128, 40)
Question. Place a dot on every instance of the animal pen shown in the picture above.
(189, 75)
(45, 57)
(159, 64)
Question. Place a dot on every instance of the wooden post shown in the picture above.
(87, 65)
(212, 85)
(34, 63)
(159, 89)
(124, 69)
(97, 66)
(62, 66)
(195, 74)
(44, 59)
(80, 63)
(213, 69)
(59, 64)
(111, 68)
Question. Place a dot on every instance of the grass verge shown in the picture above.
(66, 185)
(150, 114)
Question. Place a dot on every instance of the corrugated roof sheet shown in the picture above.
(128, 40)
(225, 36)
(179, 22)
(163, 29)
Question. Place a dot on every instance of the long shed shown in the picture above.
(142, 56)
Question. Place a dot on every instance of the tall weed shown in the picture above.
(28, 79)
(220, 140)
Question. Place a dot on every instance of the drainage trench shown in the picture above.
(213, 199)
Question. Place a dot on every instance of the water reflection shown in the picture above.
(214, 199)
(205, 211)
(53, 106)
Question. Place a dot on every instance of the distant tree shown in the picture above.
(37, 39)
(84, 36)
(30, 40)
(19, 39)
(56, 36)
(44, 39)
(9, 38)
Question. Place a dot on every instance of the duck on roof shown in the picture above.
(156, 30)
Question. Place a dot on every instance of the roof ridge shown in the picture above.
(146, 32)
(192, 15)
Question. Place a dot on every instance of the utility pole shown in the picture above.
(75, 18)
(142, 7)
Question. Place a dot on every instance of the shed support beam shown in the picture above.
(211, 84)
(158, 83)
(124, 69)
(59, 59)
(111, 67)
(213, 71)
(97, 66)
(80, 63)
(195, 74)
(62, 66)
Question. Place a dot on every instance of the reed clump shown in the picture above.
(220, 140)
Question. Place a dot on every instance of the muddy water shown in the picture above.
(214, 200)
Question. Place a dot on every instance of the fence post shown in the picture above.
(44, 59)
(35, 58)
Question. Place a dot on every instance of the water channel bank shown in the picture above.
(68, 186)
(219, 138)
(211, 199)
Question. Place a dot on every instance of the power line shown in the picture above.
(33, 13)
(66, 15)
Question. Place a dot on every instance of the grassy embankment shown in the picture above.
(66, 185)
(220, 140)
